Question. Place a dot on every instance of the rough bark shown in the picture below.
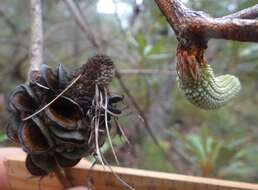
(36, 50)
(197, 25)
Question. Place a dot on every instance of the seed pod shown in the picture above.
(12, 132)
(65, 112)
(65, 162)
(62, 76)
(49, 77)
(33, 139)
(45, 162)
(61, 133)
(77, 153)
(20, 100)
(33, 168)
(115, 99)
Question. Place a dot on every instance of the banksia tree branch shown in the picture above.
(79, 19)
(36, 48)
(62, 177)
(196, 24)
(248, 13)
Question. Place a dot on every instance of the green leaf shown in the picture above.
(194, 144)
(151, 158)
(3, 138)
(141, 43)
(237, 169)
(224, 156)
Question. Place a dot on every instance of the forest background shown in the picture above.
(134, 33)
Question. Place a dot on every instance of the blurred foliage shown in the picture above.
(3, 137)
(220, 143)
(152, 158)
(215, 157)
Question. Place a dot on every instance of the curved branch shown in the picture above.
(174, 11)
(189, 24)
(223, 28)
(249, 13)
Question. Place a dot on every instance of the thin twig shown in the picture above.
(138, 109)
(107, 129)
(98, 101)
(9, 23)
(124, 183)
(146, 72)
(36, 49)
(61, 176)
(81, 21)
(248, 13)
(122, 132)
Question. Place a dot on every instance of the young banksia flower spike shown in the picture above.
(198, 82)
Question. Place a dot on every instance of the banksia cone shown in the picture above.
(71, 127)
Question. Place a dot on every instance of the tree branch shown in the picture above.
(249, 13)
(36, 49)
(8, 22)
(223, 28)
(79, 19)
(147, 72)
(138, 109)
(62, 177)
(174, 11)
(197, 25)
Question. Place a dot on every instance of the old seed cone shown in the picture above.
(63, 132)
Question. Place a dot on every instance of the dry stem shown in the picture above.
(78, 17)
(62, 177)
(249, 13)
(36, 48)
(199, 26)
